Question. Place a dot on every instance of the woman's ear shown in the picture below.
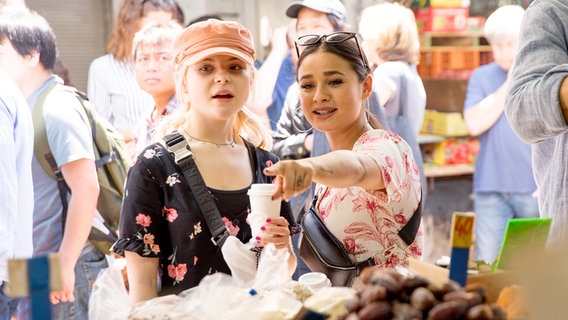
(367, 87)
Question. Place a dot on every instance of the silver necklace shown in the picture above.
(218, 145)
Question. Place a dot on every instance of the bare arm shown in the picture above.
(81, 177)
(337, 169)
(268, 73)
(483, 116)
(563, 96)
(142, 277)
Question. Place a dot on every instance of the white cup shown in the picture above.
(262, 206)
(314, 280)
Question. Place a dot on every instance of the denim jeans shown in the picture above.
(7, 305)
(301, 267)
(493, 211)
(90, 263)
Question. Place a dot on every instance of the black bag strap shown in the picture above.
(178, 147)
(407, 233)
(410, 229)
(42, 149)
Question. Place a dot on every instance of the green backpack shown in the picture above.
(112, 161)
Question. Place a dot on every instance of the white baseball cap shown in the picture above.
(334, 7)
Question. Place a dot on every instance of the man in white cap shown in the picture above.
(294, 138)
(333, 9)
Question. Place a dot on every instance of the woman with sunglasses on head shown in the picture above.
(162, 226)
(369, 185)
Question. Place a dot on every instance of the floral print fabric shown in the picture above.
(367, 221)
(161, 219)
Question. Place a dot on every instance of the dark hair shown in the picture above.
(347, 50)
(337, 24)
(204, 17)
(180, 16)
(28, 31)
(61, 70)
(350, 52)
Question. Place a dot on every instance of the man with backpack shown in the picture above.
(28, 53)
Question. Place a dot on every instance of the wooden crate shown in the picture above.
(453, 39)
(444, 64)
(452, 55)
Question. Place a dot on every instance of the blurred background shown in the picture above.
(82, 27)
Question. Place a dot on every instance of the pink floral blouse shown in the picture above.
(367, 221)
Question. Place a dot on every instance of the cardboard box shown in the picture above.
(441, 19)
(445, 95)
(448, 124)
(493, 281)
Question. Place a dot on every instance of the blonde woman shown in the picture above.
(162, 227)
(390, 39)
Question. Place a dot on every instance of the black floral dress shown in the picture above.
(161, 218)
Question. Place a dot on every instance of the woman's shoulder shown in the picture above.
(393, 68)
(108, 64)
(377, 135)
(379, 139)
(102, 60)
(264, 156)
(154, 157)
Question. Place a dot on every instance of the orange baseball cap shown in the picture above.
(211, 37)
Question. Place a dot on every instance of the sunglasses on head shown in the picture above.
(336, 37)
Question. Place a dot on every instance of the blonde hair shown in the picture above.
(504, 24)
(390, 30)
(246, 123)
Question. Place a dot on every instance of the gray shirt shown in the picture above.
(69, 136)
(533, 108)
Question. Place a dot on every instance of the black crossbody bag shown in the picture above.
(322, 252)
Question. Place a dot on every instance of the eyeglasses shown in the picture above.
(336, 37)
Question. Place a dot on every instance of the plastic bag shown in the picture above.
(265, 293)
(109, 298)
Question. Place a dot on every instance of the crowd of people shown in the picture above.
(330, 115)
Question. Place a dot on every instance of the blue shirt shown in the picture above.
(16, 187)
(504, 161)
(286, 76)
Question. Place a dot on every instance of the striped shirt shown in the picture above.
(115, 94)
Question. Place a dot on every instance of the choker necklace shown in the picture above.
(218, 145)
